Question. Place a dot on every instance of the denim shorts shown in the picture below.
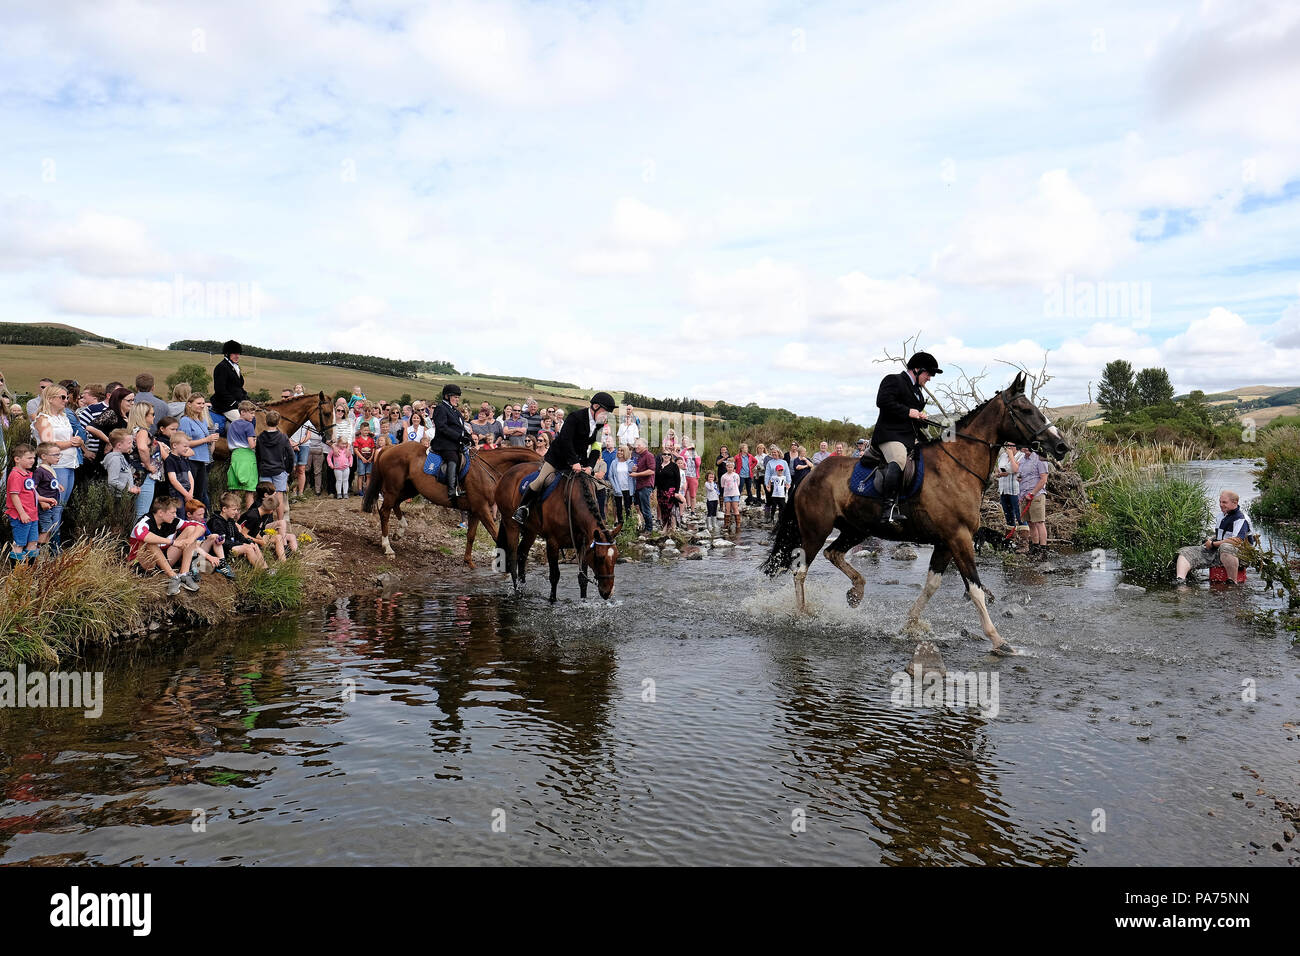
(731, 497)
(49, 519)
(279, 481)
(363, 467)
(301, 455)
(25, 532)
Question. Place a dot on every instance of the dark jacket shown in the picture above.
(573, 443)
(274, 453)
(227, 387)
(450, 433)
(897, 395)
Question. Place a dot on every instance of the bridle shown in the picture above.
(320, 403)
(568, 498)
(993, 447)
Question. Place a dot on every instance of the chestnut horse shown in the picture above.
(293, 413)
(568, 518)
(946, 513)
(398, 474)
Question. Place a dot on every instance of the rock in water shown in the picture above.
(926, 660)
(904, 552)
(1130, 587)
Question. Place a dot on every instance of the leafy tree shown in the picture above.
(343, 393)
(196, 375)
(1153, 386)
(406, 399)
(1116, 394)
(261, 396)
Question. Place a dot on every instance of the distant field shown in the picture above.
(24, 366)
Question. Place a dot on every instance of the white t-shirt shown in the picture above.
(60, 430)
(1008, 484)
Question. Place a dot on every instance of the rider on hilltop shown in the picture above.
(902, 407)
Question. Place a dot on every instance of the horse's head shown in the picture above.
(324, 417)
(604, 554)
(1025, 424)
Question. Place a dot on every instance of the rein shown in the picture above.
(568, 500)
(992, 446)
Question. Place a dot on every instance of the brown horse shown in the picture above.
(945, 514)
(293, 413)
(569, 518)
(398, 474)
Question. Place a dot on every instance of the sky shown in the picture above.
(747, 201)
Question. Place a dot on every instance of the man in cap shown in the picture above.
(902, 406)
(450, 436)
(571, 449)
(227, 386)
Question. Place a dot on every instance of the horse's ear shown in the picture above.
(614, 534)
(1018, 386)
(322, 395)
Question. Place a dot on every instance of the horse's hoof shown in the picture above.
(988, 596)
(469, 563)
(854, 597)
(1003, 650)
(915, 629)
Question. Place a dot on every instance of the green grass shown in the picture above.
(54, 608)
(1146, 515)
(260, 591)
(1279, 482)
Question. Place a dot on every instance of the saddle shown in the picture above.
(433, 465)
(550, 485)
(869, 470)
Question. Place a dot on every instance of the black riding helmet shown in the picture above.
(924, 362)
(232, 347)
(450, 390)
(604, 400)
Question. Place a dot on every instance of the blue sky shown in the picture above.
(745, 201)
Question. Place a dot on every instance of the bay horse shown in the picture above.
(946, 513)
(398, 474)
(294, 412)
(568, 518)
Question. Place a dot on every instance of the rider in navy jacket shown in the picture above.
(450, 436)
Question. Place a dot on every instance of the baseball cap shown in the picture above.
(780, 467)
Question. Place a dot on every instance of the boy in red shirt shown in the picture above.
(364, 445)
(21, 507)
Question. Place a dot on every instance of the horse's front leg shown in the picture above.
(963, 553)
(582, 572)
(470, 528)
(384, 514)
(553, 558)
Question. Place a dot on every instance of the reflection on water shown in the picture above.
(695, 719)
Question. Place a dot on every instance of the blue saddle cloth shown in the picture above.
(863, 481)
(550, 485)
(433, 466)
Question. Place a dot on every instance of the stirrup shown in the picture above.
(521, 515)
(892, 514)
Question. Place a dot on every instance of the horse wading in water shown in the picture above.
(946, 513)
(568, 518)
(398, 474)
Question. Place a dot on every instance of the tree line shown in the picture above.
(12, 333)
(361, 363)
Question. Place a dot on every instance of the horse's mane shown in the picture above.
(590, 498)
(964, 420)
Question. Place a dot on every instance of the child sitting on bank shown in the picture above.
(47, 493)
(274, 460)
(260, 518)
(340, 459)
(225, 525)
(210, 549)
(158, 543)
(21, 506)
(177, 470)
(121, 476)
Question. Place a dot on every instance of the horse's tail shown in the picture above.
(374, 487)
(786, 541)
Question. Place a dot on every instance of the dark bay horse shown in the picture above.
(293, 413)
(946, 513)
(568, 518)
(398, 474)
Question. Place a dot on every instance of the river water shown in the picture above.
(692, 720)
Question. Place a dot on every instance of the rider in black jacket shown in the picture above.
(571, 449)
(902, 407)
(228, 385)
(450, 436)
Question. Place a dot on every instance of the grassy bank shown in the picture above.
(88, 595)
(1145, 514)
(1279, 482)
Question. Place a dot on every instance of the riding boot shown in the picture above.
(525, 505)
(891, 483)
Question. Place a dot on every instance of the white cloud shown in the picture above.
(612, 262)
(638, 224)
(1020, 239)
